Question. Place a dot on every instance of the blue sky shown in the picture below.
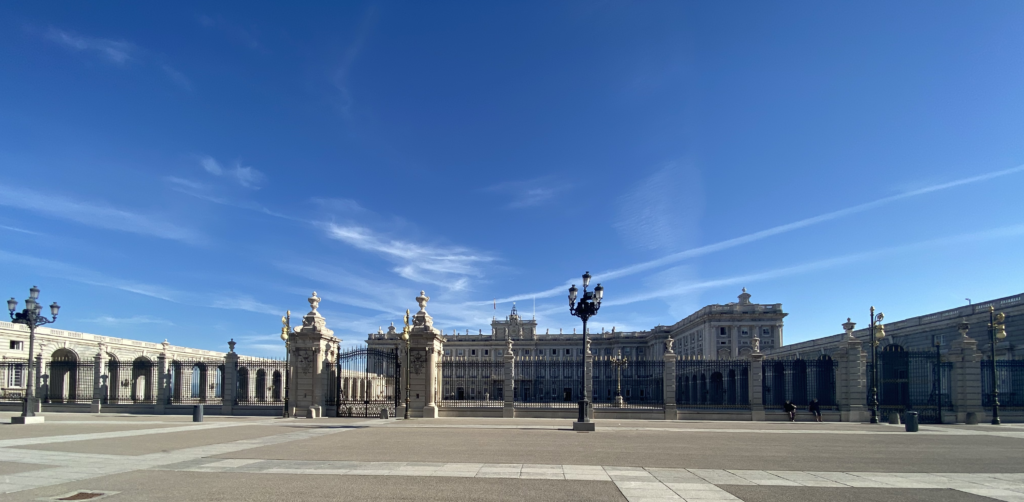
(191, 171)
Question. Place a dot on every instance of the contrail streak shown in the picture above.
(756, 236)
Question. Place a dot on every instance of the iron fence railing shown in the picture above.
(366, 381)
(639, 381)
(195, 381)
(471, 382)
(261, 382)
(130, 382)
(547, 382)
(67, 381)
(1010, 374)
(799, 381)
(911, 381)
(13, 373)
(712, 384)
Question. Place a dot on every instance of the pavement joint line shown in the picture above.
(117, 464)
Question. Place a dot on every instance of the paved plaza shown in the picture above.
(152, 458)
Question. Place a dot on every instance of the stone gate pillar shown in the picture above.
(851, 377)
(669, 381)
(163, 381)
(755, 383)
(508, 390)
(966, 359)
(311, 348)
(425, 346)
(99, 362)
(229, 393)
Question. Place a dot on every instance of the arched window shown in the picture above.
(717, 391)
(800, 382)
(261, 385)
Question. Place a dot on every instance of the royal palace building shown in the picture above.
(714, 332)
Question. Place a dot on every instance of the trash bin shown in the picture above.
(911, 421)
(197, 413)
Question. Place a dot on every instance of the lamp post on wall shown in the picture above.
(587, 308)
(996, 331)
(32, 317)
(405, 336)
(877, 334)
(286, 331)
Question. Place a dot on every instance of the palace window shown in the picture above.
(15, 376)
(723, 331)
(472, 352)
(461, 352)
(766, 331)
(17, 345)
(527, 351)
(447, 352)
(568, 352)
(554, 352)
(639, 350)
(487, 352)
(745, 332)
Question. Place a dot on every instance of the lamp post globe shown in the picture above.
(587, 307)
(32, 317)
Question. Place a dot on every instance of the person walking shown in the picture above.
(790, 408)
(815, 410)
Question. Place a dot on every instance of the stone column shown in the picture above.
(311, 346)
(426, 344)
(851, 377)
(508, 410)
(669, 381)
(588, 378)
(230, 391)
(163, 382)
(42, 390)
(734, 341)
(966, 359)
(99, 362)
(755, 384)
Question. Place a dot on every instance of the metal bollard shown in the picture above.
(911, 420)
(197, 413)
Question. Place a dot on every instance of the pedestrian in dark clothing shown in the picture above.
(815, 409)
(790, 408)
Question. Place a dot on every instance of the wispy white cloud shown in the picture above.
(202, 191)
(115, 51)
(662, 211)
(528, 193)
(342, 74)
(246, 176)
(139, 319)
(61, 270)
(448, 267)
(95, 215)
(177, 77)
(763, 234)
(339, 204)
(244, 302)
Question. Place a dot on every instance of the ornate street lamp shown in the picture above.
(619, 362)
(877, 334)
(31, 316)
(996, 331)
(405, 336)
(286, 330)
(587, 308)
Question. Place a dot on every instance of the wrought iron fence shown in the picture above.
(799, 381)
(712, 384)
(68, 380)
(1010, 374)
(911, 381)
(367, 381)
(195, 381)
(471, 382)
(130, 381)
(639, 383)
(547, 382)
(261, 382)
(13, 373)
